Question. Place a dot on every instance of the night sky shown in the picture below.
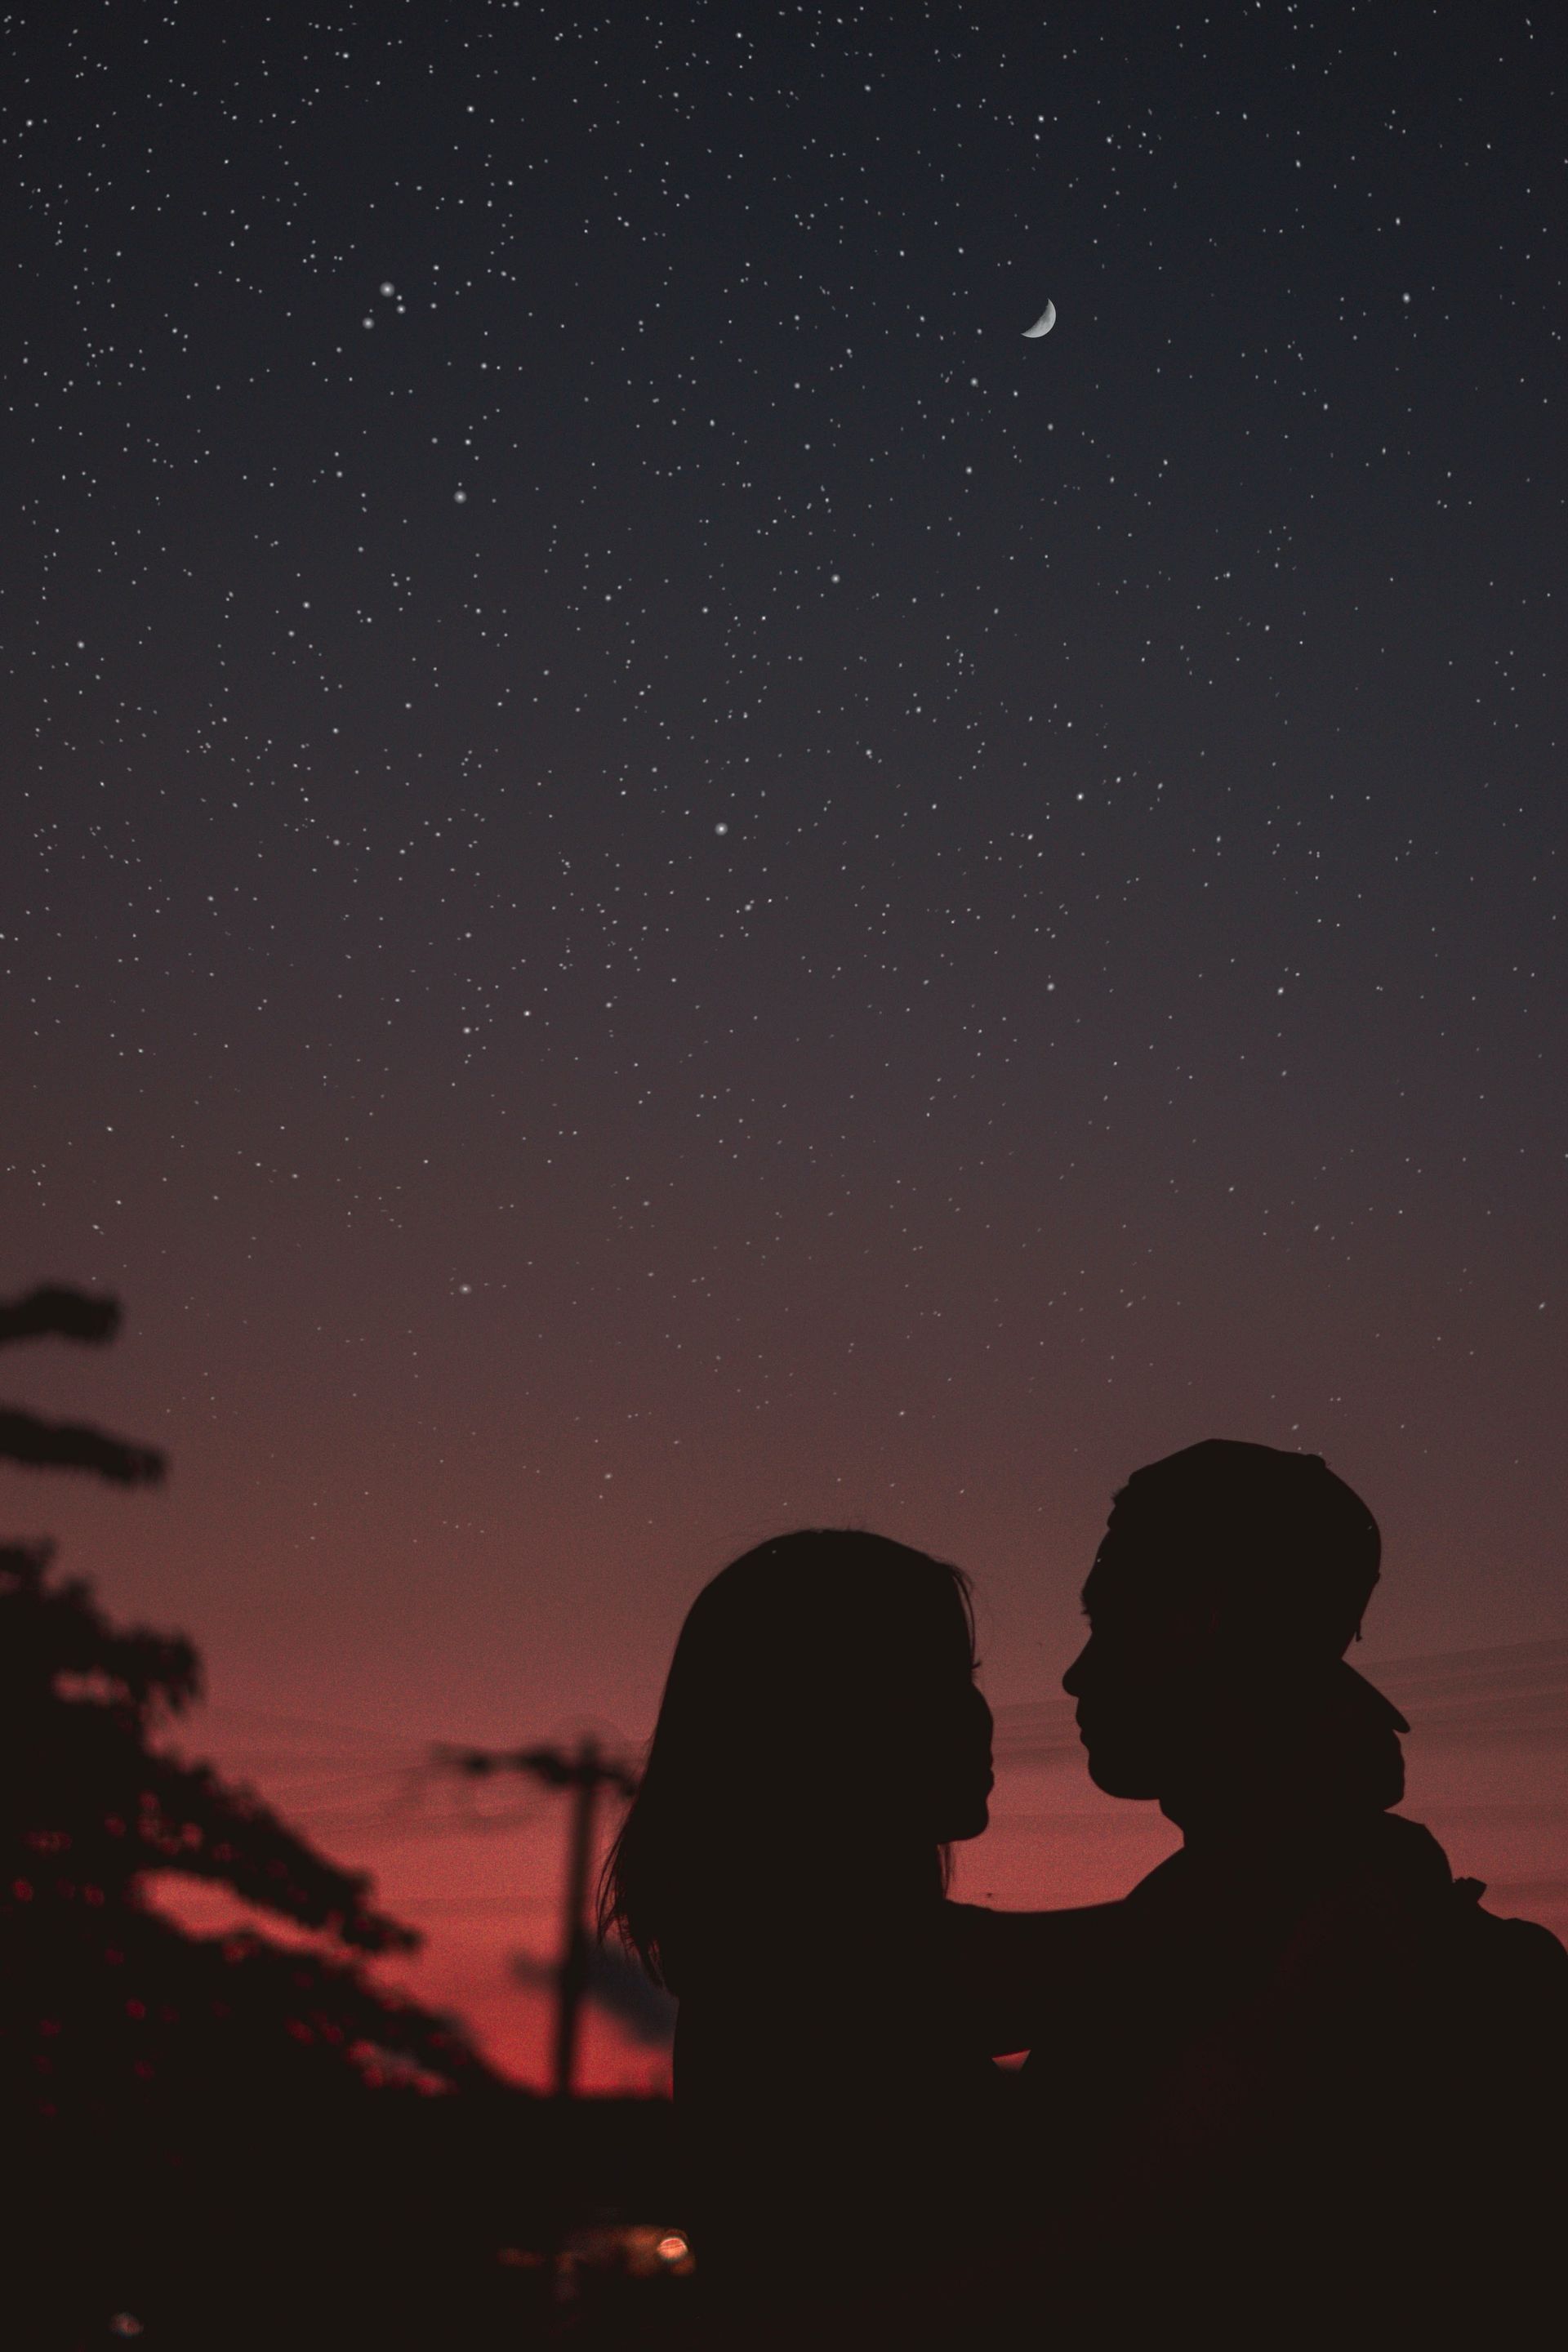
(659, 882)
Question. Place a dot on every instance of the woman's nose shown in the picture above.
(1072, 1681)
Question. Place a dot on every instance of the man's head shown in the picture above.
(1229, 1576)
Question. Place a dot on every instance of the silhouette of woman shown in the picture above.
(820, 1744)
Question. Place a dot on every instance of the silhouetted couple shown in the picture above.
(1297, 2086)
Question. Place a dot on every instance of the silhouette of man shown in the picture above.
(1317, 2088)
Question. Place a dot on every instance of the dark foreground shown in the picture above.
(408, 2221)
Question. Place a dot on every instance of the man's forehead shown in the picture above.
(1133, 1536)
(1106, 1587)
(1126, 1571)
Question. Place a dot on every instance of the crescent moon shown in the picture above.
(1043, 324)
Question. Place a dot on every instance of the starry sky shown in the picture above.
(660, 881)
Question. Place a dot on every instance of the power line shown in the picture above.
(454, 1906)
(220, 1712)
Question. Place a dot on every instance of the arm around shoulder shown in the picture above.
(1010, 1973)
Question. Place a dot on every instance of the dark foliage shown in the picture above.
(73, 1445)
(215, 2130)
(55, 1311)
(108, 2004)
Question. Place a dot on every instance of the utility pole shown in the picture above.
(586, 1771)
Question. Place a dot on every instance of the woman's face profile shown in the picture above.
(963, 1780)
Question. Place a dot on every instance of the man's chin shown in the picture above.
(1123, 1776)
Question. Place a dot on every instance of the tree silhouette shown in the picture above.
(132, 2050)
(106, 2001)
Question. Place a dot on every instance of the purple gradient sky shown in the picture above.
(682, 888)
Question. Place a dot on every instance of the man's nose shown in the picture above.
(1072, 1681)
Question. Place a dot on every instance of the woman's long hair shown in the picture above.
(803, 1721)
